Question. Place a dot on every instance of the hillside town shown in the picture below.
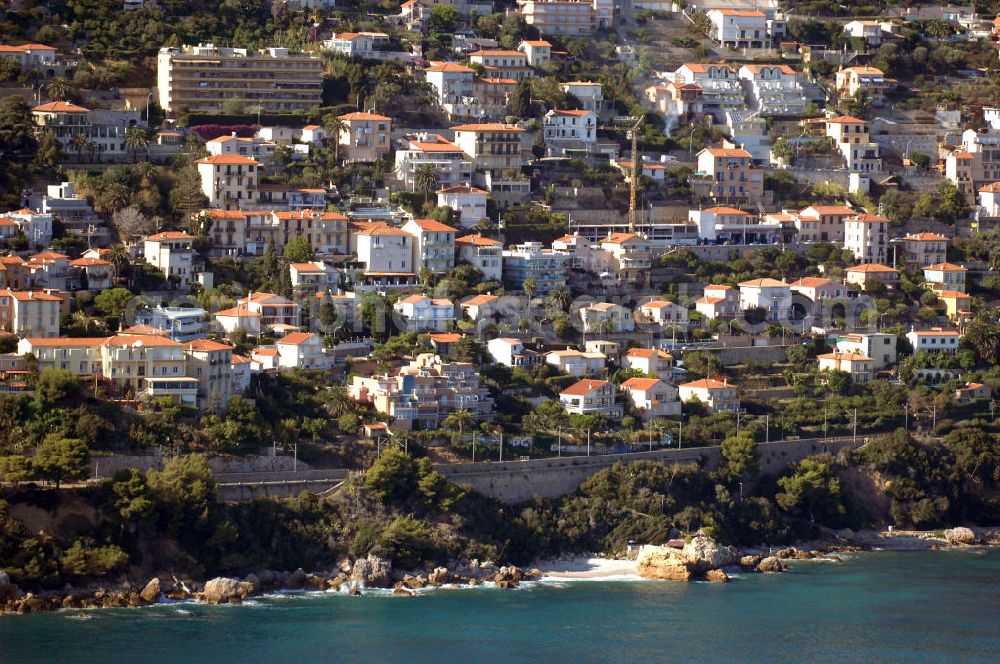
(573, 223)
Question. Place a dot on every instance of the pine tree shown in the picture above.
(270, 261)
(284, 282)
(520, 101)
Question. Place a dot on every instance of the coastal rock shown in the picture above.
(771, 564)
(221, 590)
(960, 536)
(474, 581)
(415, 582)
(314, 582)
(661, 562)
(845, 534)
(750, 562)
(296, 579)
(399, 591)
(372, 572)
(254, 582)
(151, 593)
(336, 582)
(354, 591)
(802, 555)
(508, 573)
(439, 576)
(505, 584)
(716, 576)
(8, 590)
(786, 553)
(705, 553)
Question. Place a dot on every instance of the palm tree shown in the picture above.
(58, 89)
(561, 297)
(530, 286)
(136, 139)
(459, 419)
(91, 151)
(425, 178)
(79, 144)
(119, 258)
(333, 125)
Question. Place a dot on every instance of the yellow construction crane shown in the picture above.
(631, 126)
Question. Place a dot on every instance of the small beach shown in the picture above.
(588, 568)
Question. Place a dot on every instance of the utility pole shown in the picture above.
(501, 446)
(680, 432)
(767, 429)
(855, 426)
(295, 458)
(559, 442)
(588, 442)
(473, 446)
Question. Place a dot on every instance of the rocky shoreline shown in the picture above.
(700, 558)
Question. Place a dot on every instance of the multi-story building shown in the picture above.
(313, 276)
(326, 232)
(606, 317)
(493, 96)
(302, 350)
(925, 249)
(774, 89)
(569, 131)
(863, 80)
(945, 276)
(852, 138)
(386, 255)
(934, 340)
(171, 252)
(141, 366)
(453, 167)
(867, 236)
(467, 202)
(871, 32)
(719, 396)
(677, 101)
(30, 56)
(529, 263)
(229, 181)
(512, 353)
(630, 256)
(425, 392)
(365, 137)
(271, 309)
(589, 94)
(590, 397)
(96, 273)
(720, 87)
(539, 52)
(770, 295)
(104, 131)
(433, 245)
(36, 226)
(178, 323)
(424, 314)
(359, 44)
(482, 253)
(879, 346)
(718, 301)
(577, 363)
(251, 146)
(207, 79)
(50, 269)
(480, 307)
(989, 200)
(651, 361)
(75, 212)
(30, 313)
(664, 313)
(976, 163)
(454, 84)
(746, 28)
(860, 367)
(559, 17)
(652, 397)
(957, 305)
(822, 223)
(80, 355)
(211, 363)
(500, 63)
(871, 275)
(492, 146)
(729, 174)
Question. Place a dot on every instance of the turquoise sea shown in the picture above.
(877, 607)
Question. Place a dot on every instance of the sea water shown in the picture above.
(873, 607)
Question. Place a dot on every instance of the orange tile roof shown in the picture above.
(869, 219)
(727, 210)
(728, 152)
(295, 338)
(477, 240)
(228, 159)
(749, 13)
(487, 126)
(451, 67)
(169, 235)
(705, 383)
(462, 189)
(206, 345)
(433, 226)
(446, 337)
(640, 384)
(59, 107)
(65, 341)
(89, 262)
(240, 312)
(479, 300)
(946, 267)
(927, 237)
(845, 119)
(584, 387)
(497, 52)
(537, 42)
(140, 340)
(849, 357)
(871, 267)
(763, 283)
(365, 116)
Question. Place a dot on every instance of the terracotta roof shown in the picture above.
(65, 341)
(927, 237)
(648, 353)
(656, 304)
(869, 219)
(241, 312)
(936, 333)
(383, 230)
(705, 383)
(295, 338)
(451, 67)
(479, 300)
(946, 267)
(992, 188)
(952, 295)
(727, 210)
(618, 238)
(32, 296)
(497, 52)
(308, 267)
(785, 69)
(433, 225)
(728, 152)
(871, 267)
(89, 262)
(701, 67)
(365, 116)
(573, 113)
(227, 159)
(206, 345)
(487, 126)
(169, 235)
(830, 209)
(145, 329)
(763, 283)
(640, 384)
(537, 42)
(646, 166)
(749, 13)
(140, 340)
(864, 71)
(59, 107)
(584, 387)
(849, 357)
(463, 189)
(477, 240)
(446, 337)
(812, 282)
(845, 119)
